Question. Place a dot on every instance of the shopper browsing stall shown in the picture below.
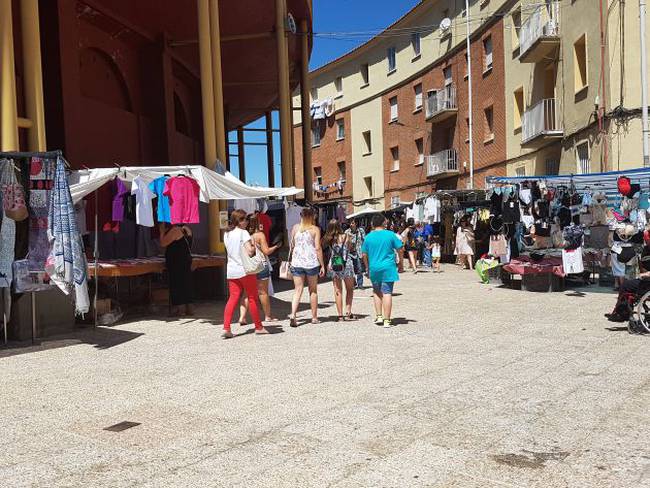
(177, 241)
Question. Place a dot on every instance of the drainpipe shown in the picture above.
(469, 99)
(644, 86)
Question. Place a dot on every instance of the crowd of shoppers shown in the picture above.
(346, 255)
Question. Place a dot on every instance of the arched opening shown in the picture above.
(102, 80)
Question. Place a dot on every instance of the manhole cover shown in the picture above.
(122, 426)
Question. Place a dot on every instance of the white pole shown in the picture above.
(469, 99)
(644, 86)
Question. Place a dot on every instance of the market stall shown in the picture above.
(578, 226)
(177, 190)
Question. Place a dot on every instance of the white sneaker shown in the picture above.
(388, 323)
(379, 320)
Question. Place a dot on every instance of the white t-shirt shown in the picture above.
(432, 209)
(143, 197)
(233, 241)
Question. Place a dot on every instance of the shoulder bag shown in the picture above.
(252, 264)
(285, 266)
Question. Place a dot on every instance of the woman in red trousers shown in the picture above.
(238, 240)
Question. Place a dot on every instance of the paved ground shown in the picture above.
(477, 387)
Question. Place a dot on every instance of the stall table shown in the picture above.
(128, 268)
(548, 272)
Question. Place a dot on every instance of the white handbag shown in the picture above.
(252, 264)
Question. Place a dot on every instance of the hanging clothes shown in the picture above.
(572, 261)
(432, 209)
(248, 205)
(41, 174)
(143, 205)
(119, 190)
(157, 186)
(66, 263)
(183, 193)
(292, 215)
(7, 243)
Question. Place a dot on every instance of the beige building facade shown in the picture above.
(573, 102)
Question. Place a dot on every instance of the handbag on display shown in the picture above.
(13, 196)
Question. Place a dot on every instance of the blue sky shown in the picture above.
(329, 16)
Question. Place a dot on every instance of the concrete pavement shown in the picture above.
(476, 386)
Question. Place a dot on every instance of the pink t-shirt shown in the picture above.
(183, 194)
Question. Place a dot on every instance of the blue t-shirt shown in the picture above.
(158, 187)
(380, 246)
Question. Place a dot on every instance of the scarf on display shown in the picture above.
(66, 263)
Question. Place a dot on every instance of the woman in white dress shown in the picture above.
(465, 244)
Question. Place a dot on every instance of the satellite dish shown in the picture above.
(291, 24)
(445, 24)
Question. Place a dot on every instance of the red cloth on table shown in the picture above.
(524, 265)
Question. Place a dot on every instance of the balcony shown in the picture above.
(443, 163)
(539, 36)
(441, 104)
(541, 123)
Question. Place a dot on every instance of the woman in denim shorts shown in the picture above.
(259, 239)
(306, 263)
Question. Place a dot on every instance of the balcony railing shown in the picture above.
(442, 162)
(441, 100)
(541, 119)
(541, 24)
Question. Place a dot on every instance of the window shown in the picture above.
(393, 108)
(448, 76)
(516, 27)
(521, 171)
(552, 167)
(369, 186)
(318, 175)
(489, 124)
(390, 56)
(314, 93)
(415, 44)
(341, 166)
(365, 77)
(394, 201)
(367, 142)
(338, 84)
(394, 152)
(582, 151)
(417, 89)
(518, 108)
(580, 64)
(419, 144)
(340, 129)
(487, 53)
(315, 136)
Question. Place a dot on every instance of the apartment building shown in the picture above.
(546, 98)
(402, 99)
(573, 105)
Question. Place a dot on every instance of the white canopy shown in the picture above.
(213, 185)
(365, 211)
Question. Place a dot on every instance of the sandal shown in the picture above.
(340, 318)
(350, 316)
(315, 321)
(292, 322)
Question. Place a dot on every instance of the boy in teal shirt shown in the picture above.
(379, 255)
